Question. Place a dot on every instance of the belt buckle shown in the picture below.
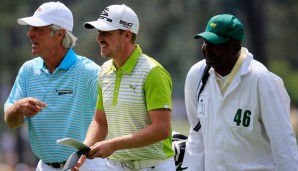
(56, 165)
(136, 164)
(131, 164)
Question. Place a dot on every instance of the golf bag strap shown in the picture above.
(203, 81)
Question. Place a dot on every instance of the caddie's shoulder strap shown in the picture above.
(203, 81)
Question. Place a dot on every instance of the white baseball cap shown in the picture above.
(50, 13)
(115, 17)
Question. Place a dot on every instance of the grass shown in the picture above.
(181, 126)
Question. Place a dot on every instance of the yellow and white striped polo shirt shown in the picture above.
(127, 94)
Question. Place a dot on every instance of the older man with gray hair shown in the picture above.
(56, 92)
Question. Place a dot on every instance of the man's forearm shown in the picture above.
(149, 135)
(95, 133)
(12, 117)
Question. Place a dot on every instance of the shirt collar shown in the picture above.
(67, 62)
(131, 61)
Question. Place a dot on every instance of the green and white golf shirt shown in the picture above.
(127, 94)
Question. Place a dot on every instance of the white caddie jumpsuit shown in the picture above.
(247, 129)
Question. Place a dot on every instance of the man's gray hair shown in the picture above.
(69, 39)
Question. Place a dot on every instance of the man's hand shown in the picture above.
(14, 114)
(102, 149)
(79, 163)
(29, 106)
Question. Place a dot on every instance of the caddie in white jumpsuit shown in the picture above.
(242, 112)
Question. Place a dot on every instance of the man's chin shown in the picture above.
(209, 62)
(34, 52)
(105, 56)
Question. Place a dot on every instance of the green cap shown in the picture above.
(222, 28)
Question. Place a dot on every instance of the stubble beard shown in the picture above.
(105, 56)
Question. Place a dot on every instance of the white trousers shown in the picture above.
(169, 165)
(97, 164)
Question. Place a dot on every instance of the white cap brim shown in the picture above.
(100, 25)
(32, 21)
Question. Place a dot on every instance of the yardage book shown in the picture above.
(70, 142)
(75, 156)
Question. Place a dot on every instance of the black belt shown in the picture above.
(56, 164)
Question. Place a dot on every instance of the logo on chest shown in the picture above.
(133, 87)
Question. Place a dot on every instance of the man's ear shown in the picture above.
(128, 34)
(61, 33)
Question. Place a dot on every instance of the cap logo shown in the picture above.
(126, 24)
(38, 10)
(213, 25)
(104, 15)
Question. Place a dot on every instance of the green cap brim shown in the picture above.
(211, 37)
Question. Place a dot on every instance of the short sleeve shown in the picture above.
(158, 89)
